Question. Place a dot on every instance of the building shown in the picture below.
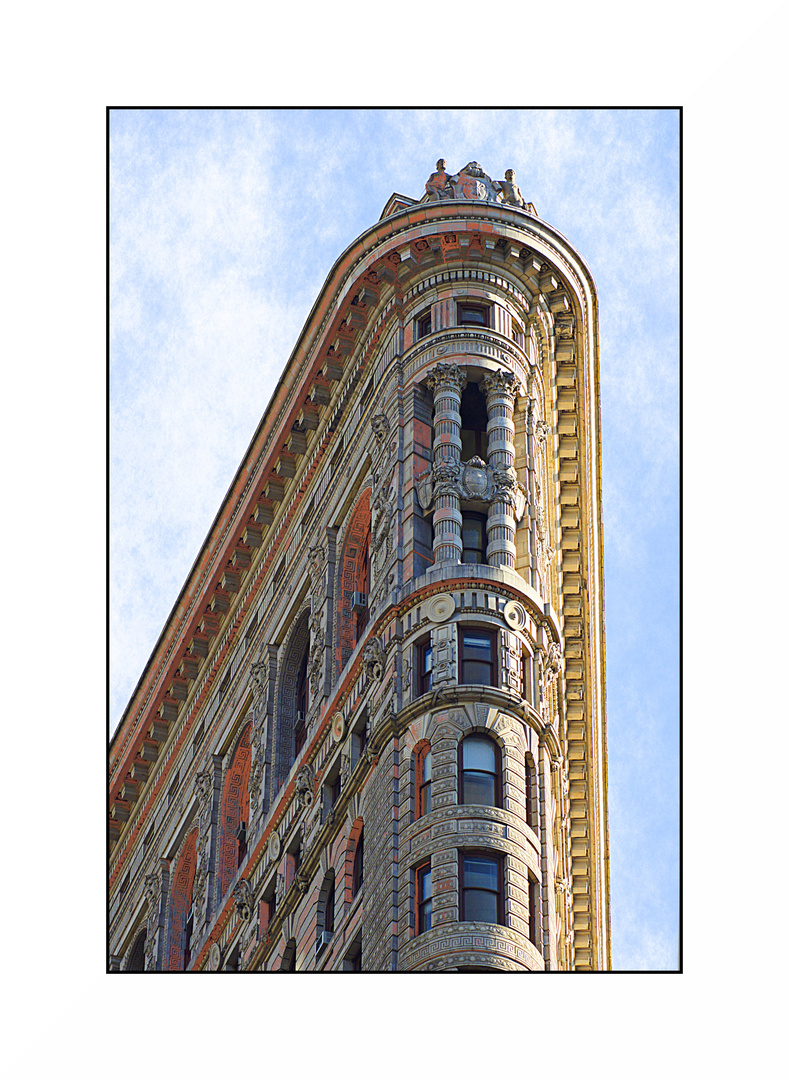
(371, 736)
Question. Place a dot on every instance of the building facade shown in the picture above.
(372, 735)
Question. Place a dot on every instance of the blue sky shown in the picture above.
(224, 225)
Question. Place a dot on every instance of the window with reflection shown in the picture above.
(357, 878)
(474, 537)
(302, 703)
(424, 899)
(423, 324)
(473, 315)
(480, 888)
(477, 657)
(480, 762)
(424, 776)
(473, 423)
(424, 666)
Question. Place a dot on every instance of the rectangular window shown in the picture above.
(424, 324)
(480, 888)
(473, 315)
(535, 920)
(172, 791)
(526, 678)
(424, 899)
(477, 657)
(424, 654)
(424, 779)
(474, 537)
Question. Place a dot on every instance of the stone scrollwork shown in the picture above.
(373, 659)
(381, 428)
(471, 481)
(242, 900)
(552, 663)
(304, 787)
(451, 376)
(153, 889)
(259, 678)
(541, 431)
(315, 661)
(383, 512)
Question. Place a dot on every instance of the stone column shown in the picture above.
(446, 382)
(501, 388)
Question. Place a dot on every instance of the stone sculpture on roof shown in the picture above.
(472, 182)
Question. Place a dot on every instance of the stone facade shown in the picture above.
(372, 737)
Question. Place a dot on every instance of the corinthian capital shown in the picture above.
(502, 382)
(447, 376)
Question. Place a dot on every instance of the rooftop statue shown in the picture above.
(472, 182)
(510, 192)
(438, 186)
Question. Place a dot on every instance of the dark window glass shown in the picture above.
(363, 584)
(534, 911)
(423, 325)
(424, 777)
(241, 836)
(425, 669)
(328, 919)
(480, 890)
(358, 865)
(477, 658)
(186, 935)
(479, 761)
(424, 894)
(474, 537)
(526, 678)
(473, 424)
(136, 960)
(473, 315)
(530, 785)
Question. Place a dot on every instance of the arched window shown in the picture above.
(293, 699)
(136, 961)
(288, 962)
(423, 765)
(302, 704)
(325, 922)
(480, 771)
(358, 865)
(363, 585)
(234, 815)
(182, 913)
(354, 580)
(354, 862)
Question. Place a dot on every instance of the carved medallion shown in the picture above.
(515, 615)
(214, 957)
(338, 727)
(440, 608)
